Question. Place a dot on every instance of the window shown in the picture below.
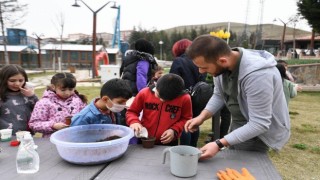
(74, 56)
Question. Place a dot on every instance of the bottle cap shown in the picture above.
(14, 143)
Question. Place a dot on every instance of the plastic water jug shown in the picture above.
(27, 160)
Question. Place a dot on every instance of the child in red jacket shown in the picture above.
(166, 108)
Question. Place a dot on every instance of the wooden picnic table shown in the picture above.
(137, 163)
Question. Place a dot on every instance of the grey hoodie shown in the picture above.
(261, 100)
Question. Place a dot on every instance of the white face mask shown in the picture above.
(116, 107)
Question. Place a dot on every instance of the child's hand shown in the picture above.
(167, 136)
(27, 91)
(58, 126)
(136, 127)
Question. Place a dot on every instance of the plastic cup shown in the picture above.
(68, 120)
(148, 142)
(6, 134)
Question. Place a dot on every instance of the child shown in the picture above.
(156, 74)
(289, 88)
(16, 100)
(166, 108)
(59, 101)
(113, 97)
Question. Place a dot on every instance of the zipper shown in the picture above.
(158, 120)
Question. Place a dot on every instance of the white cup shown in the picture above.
(6, 134)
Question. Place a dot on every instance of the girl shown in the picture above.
(156, 74)
(59, 101)
(16, 99)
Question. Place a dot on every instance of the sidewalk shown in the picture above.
(43, 81)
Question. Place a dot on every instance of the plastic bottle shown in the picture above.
(27, 160)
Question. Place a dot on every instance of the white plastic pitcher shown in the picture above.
(183, 160)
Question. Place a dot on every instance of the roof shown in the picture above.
(71, 47)
(15, 48)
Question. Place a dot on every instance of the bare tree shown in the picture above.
(11, 13)
(60, 26)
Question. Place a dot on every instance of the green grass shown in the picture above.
(30, 76)
(91, 92)
(302, 61)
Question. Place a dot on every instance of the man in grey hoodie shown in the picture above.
(249, 84)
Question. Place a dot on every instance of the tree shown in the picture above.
(310, 10)
(60, 27)
(11, 13)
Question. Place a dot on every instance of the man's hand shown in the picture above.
(167, 136)
(209, 150)
(192, 125)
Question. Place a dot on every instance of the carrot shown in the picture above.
(231, 174)
(247, 174)
(220, 176)
(236, 173)
(225, 175)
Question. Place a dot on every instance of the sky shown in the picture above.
(44, 15)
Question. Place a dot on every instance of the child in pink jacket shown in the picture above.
(59, 101)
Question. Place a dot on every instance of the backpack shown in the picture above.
(200, 94)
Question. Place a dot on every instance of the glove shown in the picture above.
(231, 174)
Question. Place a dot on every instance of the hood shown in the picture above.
(140, 55)
(253, 60)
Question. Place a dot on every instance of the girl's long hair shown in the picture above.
(5, 73)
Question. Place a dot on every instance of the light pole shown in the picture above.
(160, 42)
(283, 34)
(94, 31)
(39, 48)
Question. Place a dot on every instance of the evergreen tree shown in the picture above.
(310, 10)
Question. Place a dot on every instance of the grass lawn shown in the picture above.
(300, 158)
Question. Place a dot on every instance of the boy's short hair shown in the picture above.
(116, 88)
(170, 86)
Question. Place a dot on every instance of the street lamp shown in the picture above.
(283, 34)
(94, 33)
(160, 42)
(39, 49)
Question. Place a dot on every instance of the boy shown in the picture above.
(166, 108)
(113, 97)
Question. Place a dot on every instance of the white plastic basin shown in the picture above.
(80, 144)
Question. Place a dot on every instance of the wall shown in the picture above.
(308, 74)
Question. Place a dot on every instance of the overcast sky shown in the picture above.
(42, 17)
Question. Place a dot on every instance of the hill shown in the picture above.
(269, 31)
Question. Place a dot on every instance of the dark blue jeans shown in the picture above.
(190, 139)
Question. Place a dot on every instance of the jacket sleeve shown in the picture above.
(186, 114)
(40, 120)
(79, 119)
(142, 74)
(176, 67)
(133, 113)
(292, 89)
